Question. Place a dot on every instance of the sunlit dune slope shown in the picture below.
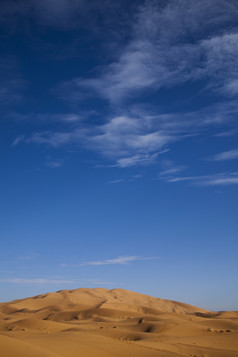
(113, 323)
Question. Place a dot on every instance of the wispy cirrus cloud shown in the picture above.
(55, 139)
(172, 170)
(69, 118)
(134, 139)
(227, 133)
(117, 181)
(129, 179)
(18, 140)
(54, 164)
(144, 66)
(36, 281)
(154, 57)
(51, 281)
(226, 155)
(220, 179)
(121, 260)
(157, 56)
(128, 141)
(138, 160)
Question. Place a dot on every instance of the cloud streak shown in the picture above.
(53, 164)
(220, 179)
(172, 170)
(129, 141)
(159, 55)
(226, 155)
(134, 139)
(18, 140)
(36, 281)
(167, 47)
(121, 260)
(51, 281)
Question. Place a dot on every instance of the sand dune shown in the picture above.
(101, 322)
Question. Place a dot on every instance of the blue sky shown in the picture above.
(119, 148)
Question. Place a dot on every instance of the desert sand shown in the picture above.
(103, 323)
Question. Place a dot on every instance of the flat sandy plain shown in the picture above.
(106, 323)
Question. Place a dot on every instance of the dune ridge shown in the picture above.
(113, 323)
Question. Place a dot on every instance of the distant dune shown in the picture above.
(107, 323)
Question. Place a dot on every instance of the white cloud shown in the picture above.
(159, 53)
(122, 260)
(225, 133)
(68, 118)
(226, 155)
(100, 282)
(138, 138)
(36, 281)
(137, 160)
(18, 140)
(170, 44)
(52, 281)
(220, 179)
(223, 181)
(130, 179)
(221, 53)
(116, 181)
(130, 141)
(127, 140)
(54, 164)
(231, 87)
(55, 139)
(172, 170)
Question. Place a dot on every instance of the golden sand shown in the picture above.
(107, 323)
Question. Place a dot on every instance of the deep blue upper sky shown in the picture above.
(119, 148)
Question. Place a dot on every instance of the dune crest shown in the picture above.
(113, 323)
